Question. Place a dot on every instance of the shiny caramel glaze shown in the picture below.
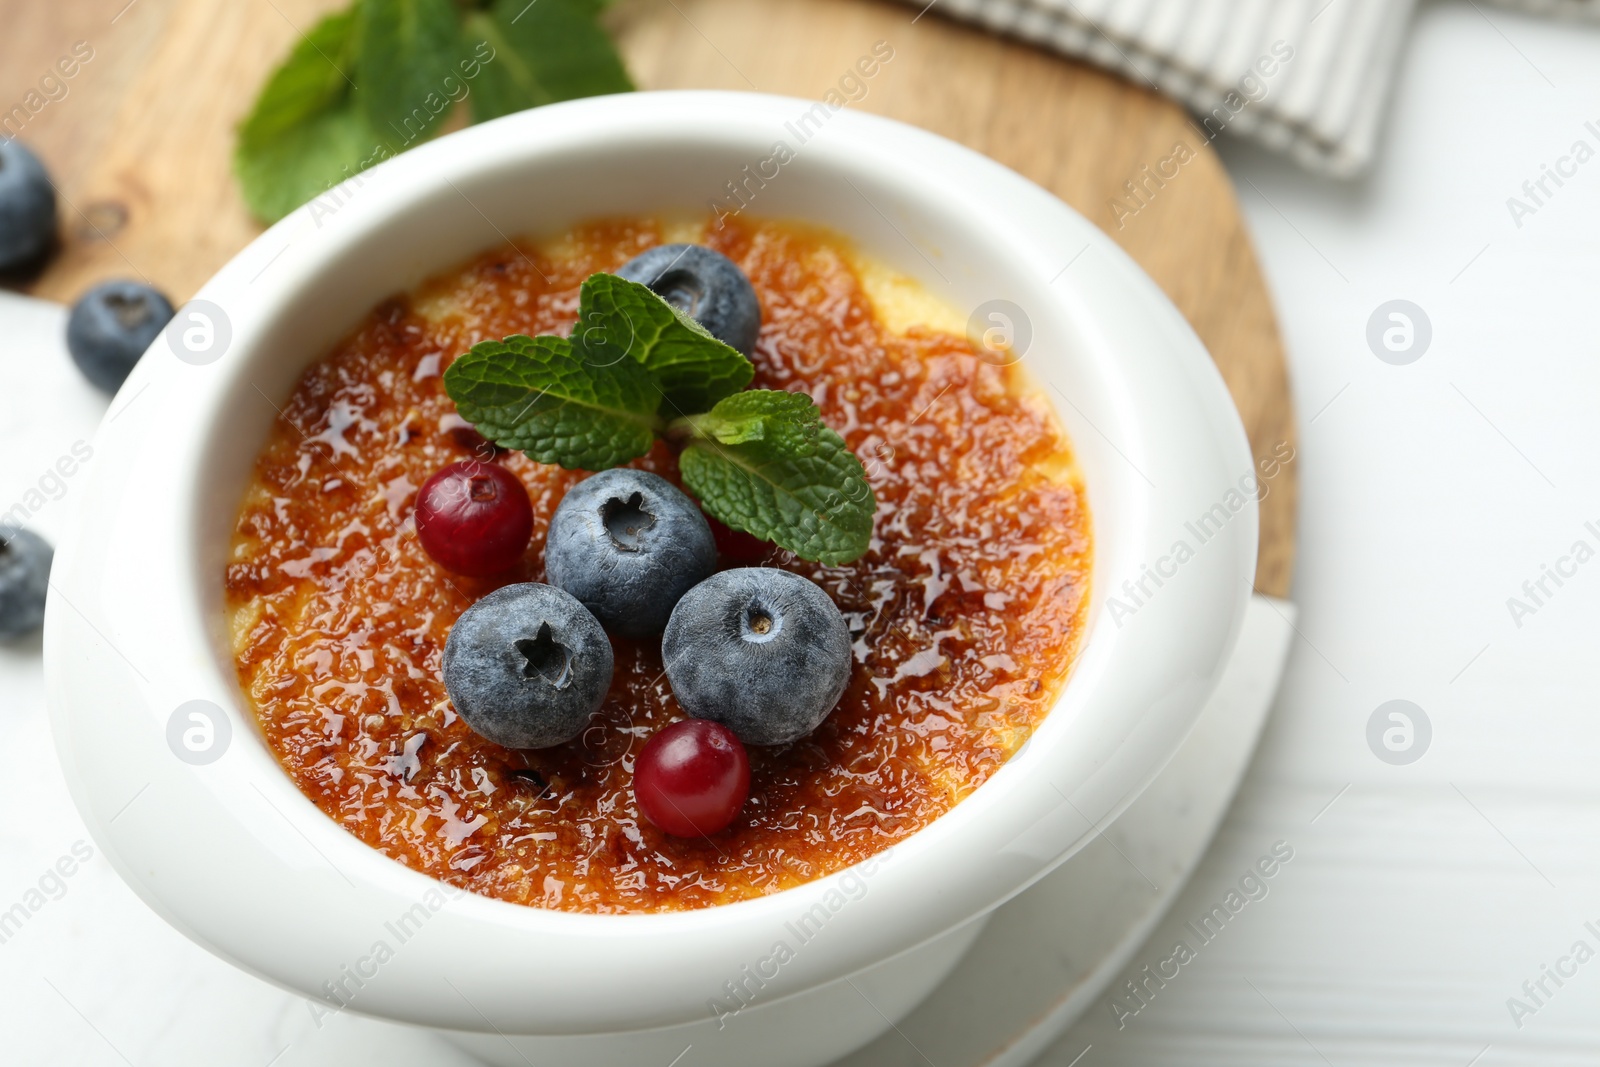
(965, 613)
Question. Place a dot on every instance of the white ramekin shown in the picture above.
(234, 856)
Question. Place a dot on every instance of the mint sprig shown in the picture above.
(371, 81)
(635, 368)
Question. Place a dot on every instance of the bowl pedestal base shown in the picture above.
(806, 1030)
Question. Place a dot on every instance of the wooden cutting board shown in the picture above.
(140, 144)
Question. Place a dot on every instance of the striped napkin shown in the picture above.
(1310, 78)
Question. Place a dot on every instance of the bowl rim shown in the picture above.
(1131, 695)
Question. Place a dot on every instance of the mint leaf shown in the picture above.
(536, 394)
(313, 79)
(304, 133)
(619, 319)
(819, 506)
(787, 421)
(545, 51)
(311, 128)
(279, 174)
(404, 51)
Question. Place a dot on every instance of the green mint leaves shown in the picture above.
(546, 52)
(403, 51)
(759, 460)
(367, 83)
(539, 395)
(786, 422)
(305, 132)
(818, 506)
(618, 319)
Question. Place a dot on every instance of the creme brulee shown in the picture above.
(965, 613)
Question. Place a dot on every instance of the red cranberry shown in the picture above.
(474, 518)
(692, 778)
(736, 546)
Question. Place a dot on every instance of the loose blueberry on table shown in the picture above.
(705, 285)
(27, 208)
(110, 327)
(761, 650)
(692, 778)
(474, 518)
(25, 559)
(628, 544)
(527, 666)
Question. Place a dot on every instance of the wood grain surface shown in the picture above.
(139, 140)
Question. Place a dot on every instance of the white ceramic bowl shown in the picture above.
(234, 856)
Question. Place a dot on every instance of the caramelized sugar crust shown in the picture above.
(965, 614)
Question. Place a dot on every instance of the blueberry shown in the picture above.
(110, 327)
(27, 207)
(527, 666)
(628, 544)
(705, 285)
(762, 651)
(24, 578)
